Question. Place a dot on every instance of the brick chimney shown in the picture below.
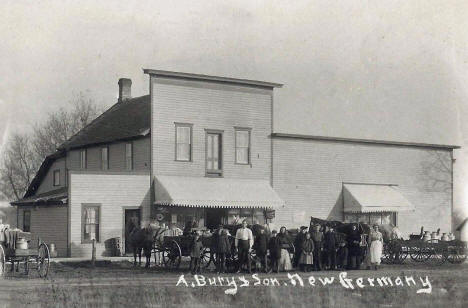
(125, 89)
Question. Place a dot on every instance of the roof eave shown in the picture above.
(368, 141)
(181, 75)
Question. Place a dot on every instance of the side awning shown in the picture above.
(368, 198)
(53, 197)
(215, 192)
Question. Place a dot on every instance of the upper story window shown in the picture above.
(214, 153)
(27, 221)
(183, 147)
(83, 159)
(105, 158)
(242, 146)
(128, 156)
(57, 177)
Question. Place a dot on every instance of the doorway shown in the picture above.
(214, 217)
(132, 220)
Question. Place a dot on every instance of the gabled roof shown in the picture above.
(42, 172)
(126, 119)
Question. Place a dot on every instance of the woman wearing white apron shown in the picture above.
(376, 246)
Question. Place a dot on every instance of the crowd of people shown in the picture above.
(315, 249)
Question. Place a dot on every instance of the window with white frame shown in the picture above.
(83, 159)
(183, 147)
(242, 146)
(129, 156)
(105, 158)
(57, 177)
(90, 218)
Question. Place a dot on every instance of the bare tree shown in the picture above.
(18, 166)
(24, 153)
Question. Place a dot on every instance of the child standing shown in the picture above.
(306, 258)
(195, 253)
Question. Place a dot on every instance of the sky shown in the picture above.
(386, 70)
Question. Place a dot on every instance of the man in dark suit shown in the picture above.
(330, 247)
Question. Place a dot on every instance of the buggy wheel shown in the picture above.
(438, 253)
(206, 257)
(420, 253)
(456, 254)
(2, 261)
(232, 261)
(43, 260)
(172, 255)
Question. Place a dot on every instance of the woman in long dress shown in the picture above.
(285, 243)
(376, 246)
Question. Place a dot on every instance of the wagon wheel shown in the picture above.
(232, 261)
(397, 252)
(172, 255)
(420, 253)
(438, 253)
(43, 260)
(386, 253)
(2, 261)
(456, 254)
(206, 257)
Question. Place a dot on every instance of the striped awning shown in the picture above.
(368, 198)
(215, 192)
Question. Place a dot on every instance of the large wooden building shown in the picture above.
(203, 148)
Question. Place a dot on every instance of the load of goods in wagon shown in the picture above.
(19, 248)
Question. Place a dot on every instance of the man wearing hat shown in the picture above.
(298, 245)
(317, 237)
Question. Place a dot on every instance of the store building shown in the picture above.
(203, 148)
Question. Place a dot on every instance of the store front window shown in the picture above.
(372, 218)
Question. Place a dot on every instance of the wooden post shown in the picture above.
(93, 253)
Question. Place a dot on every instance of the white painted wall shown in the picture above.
(114, 192)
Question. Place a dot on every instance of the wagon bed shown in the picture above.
(37, 255)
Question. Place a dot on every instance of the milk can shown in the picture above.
(445, 237)
(427, 236)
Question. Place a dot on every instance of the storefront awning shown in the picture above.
(215, 192)
(368, 198)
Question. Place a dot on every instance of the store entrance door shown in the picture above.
(132, 220)
(214, 217)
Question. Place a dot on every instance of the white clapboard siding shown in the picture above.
(113, 192)
(207, 105)
(308, 175)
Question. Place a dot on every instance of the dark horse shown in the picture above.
(141, 239)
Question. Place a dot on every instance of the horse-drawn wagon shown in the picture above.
(17, 247)
(432, 251)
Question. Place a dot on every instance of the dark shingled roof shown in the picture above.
(125, 120)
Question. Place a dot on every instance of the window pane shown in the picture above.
(56, 177)
(386, 219)
(242, 138)
(104, 160)
(83, 159)
(183, 135)
(242, 155)
(375, 219)
(183, 151)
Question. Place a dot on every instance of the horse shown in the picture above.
(141, 239)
